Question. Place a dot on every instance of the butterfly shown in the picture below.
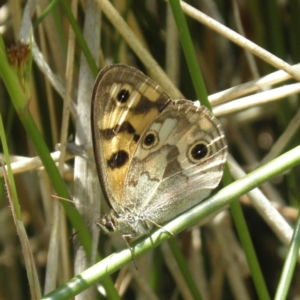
(156, 157)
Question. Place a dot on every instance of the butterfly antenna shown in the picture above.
(75, 233)
(62, 198)
(72, 202)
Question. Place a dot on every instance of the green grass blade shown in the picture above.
(289, 265)
(190, 55)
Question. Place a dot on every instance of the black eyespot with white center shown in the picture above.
(150, 140)
(198, 152)
(123, 96)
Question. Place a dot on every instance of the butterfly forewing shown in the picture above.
(124, 103)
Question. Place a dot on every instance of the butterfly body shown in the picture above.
(156, 157)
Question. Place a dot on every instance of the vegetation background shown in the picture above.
(56, 49)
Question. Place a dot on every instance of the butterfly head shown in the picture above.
(128, 224)
(108, 223)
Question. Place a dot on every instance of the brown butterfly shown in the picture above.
(156, 157)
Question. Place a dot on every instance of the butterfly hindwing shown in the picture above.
(177, 162)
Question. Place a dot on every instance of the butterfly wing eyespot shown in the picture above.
(197, 152)
(150, 140)
(123, 96)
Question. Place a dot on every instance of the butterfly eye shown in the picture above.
(151, 139)
(108, 223)
(197, 152)
(123, 96)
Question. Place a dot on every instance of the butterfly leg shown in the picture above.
(160, 227)
(125, 236)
